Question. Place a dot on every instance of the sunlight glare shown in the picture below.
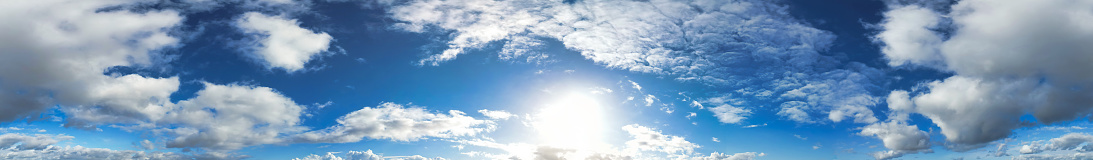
(574, 121)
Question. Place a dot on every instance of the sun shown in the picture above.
(573, 121)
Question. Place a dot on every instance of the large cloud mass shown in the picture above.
(1010, 58)
(754, 47)
(55, 53)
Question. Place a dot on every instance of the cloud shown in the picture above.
(728, 114)
(25, 142)
(55, 54)
(229, 117)
(755, 46)
(649, 99)
(279, 42)
(908, 37)
(399, 123)
(496, 115)
(1010, 58)
(900, 138)
(42, 146)
(648, 139)
(737, 156)
(1070, 141)
(361, 155)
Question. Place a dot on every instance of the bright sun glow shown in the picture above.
(574, 121)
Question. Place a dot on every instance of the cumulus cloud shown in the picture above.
(229, 117)
(648, 139)
(1010, 58)
(55, 53)
(399, 123)
(737, 156)
(42, 146)
(752, 45)
(645, 143)
(361, 155)
(279, 42)
(900, 138)
(25, 142)
(1070, 141)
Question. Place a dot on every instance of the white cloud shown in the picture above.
(729, 114)
(1070, 141)
(229, 117)
(362, 155)
(600, 90)
(635, 85)
(42, 146)
(737, 156)
(753, 45)
(648, 139)
(649, 99)
(1011, 58)
(496, 115)
(755, 125)
(55, 53)
(900, 138)
(396, 122)
(908, 37)
(795, 111)
(25, 142)
(715, 139)
(279, 42)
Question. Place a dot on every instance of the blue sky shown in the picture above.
(546, 79)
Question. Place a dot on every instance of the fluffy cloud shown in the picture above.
(229, 117)
(646, 143)
(1010, 58)
(396, 122)
(648, 139)
(1070, 141)
(361, 155)
(899, 137)
(26, 142)
(752, 45)
(55, 53)
(42, 147)
(279, 42)
(729, 114)
(737, 156)
(908, 38)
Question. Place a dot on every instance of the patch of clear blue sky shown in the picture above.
(478, 80)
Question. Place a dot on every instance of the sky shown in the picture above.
(546, 79)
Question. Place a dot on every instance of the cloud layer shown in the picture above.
(753, 47)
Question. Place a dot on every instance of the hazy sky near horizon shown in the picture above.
(546, 79)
